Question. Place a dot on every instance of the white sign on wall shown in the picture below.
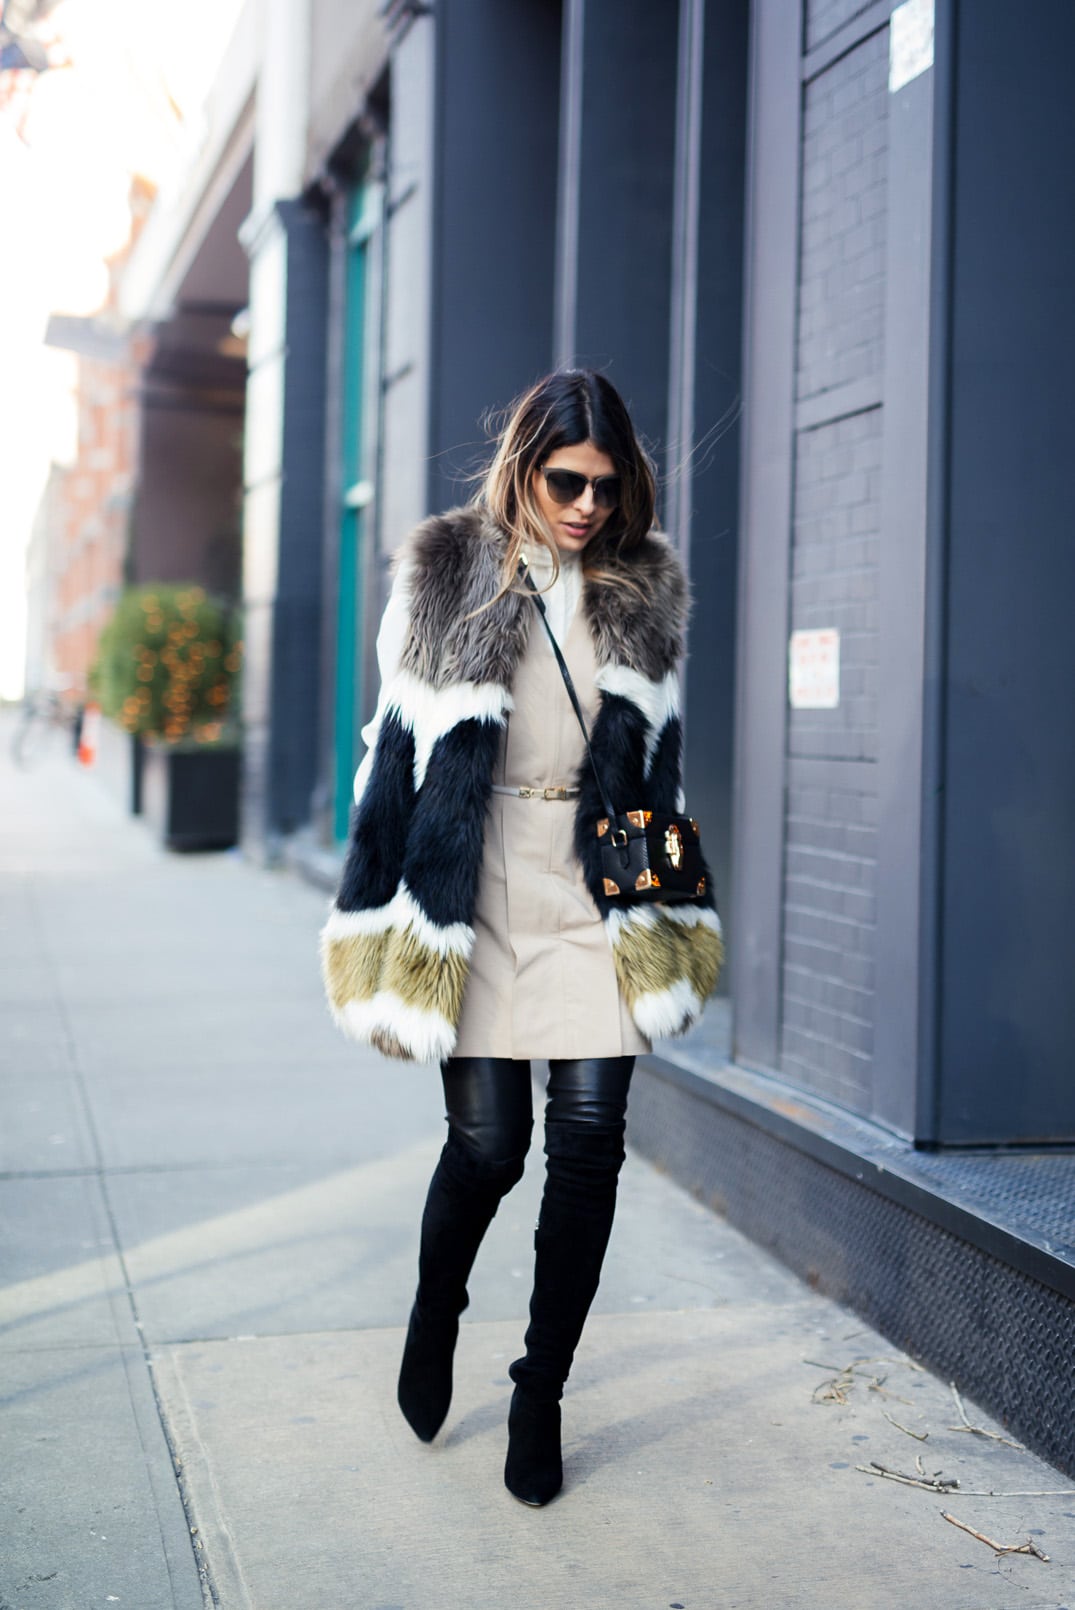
(910, 42)
(814, 670)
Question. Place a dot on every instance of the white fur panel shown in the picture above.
(658, 701)
(431, 712)
(619, 918)
(401, 912)
(668, 1011)
(353, 924)
(455, 936)
(425, 1036)
(691, 916)
(685, 912)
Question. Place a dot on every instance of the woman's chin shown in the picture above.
(572, 542)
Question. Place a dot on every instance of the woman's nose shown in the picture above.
(584, 501)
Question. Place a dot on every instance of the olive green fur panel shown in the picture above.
(666, 967)
(394, 990)
(355, 968)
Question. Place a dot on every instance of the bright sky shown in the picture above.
(70, 141)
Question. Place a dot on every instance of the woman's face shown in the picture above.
(573, 524)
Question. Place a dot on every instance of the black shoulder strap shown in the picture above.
(568, 684)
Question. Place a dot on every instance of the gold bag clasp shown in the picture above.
(673, 846)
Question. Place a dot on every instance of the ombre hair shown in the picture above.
(568, 407)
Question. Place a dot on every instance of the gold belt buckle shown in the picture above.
(543, 793)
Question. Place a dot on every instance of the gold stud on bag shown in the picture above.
(644, 855)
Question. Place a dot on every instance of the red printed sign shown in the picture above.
(814, 670)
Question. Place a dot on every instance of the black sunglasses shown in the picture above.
(565, 486)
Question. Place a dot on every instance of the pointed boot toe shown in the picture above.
(424, 1393)
(533, 1470)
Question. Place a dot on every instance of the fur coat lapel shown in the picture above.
(396, 948)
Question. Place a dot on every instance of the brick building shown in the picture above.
(83, 534)
(815, 244)
(90, 511)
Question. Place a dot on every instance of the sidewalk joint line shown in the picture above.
(210, 1596)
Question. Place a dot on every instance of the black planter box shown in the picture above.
(191, 796)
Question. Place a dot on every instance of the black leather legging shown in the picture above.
(490, 1104)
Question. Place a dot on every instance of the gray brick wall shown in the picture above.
(823, 17)
(830, 849)
(830, 914)
(834, 558)
(830, 852)
(844, 197)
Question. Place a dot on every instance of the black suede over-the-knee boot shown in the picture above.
(490, 1117)
(463, 1197)
(577, 1210)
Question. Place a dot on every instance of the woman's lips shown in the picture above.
(574, 529)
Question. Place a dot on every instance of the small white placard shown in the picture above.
(814, 670)
(910, 42)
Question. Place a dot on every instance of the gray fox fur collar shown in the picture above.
(458, 562)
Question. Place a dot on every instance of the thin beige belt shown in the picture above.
(536, 793)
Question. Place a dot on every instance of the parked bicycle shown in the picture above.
(45, 718)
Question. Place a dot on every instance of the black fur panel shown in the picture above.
(663, 777)
(618, 741)
(447, 830)
(663, 784)
(380, 822)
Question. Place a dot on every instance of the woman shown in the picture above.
(472, 925)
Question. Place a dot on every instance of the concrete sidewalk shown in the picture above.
(210, 1208)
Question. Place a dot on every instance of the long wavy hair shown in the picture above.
(566, 408)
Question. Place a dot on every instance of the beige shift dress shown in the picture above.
(542, 981)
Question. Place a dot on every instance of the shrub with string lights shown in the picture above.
(167, 664)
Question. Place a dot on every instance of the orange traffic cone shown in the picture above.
(87, 737)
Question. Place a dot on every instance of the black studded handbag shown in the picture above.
(644, 855)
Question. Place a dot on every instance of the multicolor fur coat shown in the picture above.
(395, 950)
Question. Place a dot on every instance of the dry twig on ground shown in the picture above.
(1029, 1547)
(980, 1431)
(919, 1436)
(939, 1484)
(934, 1484)
(839, 1384)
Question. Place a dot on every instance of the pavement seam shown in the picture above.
(212, 1525)
(120, 1170)
(210, 1598)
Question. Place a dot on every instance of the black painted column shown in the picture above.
(617, 160)
(1005, 1004)
(494, 222)
(283, 523)
(705, 471)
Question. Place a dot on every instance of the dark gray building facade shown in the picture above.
(819, 246)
